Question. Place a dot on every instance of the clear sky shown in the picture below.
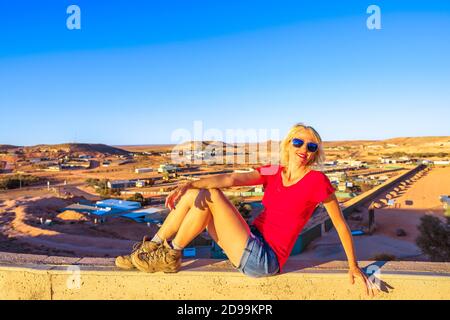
(139, 70)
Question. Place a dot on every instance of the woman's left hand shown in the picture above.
(356, 272)
(176, 194)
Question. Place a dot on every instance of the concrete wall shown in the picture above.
(55, 278)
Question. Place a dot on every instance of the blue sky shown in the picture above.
(137, 71)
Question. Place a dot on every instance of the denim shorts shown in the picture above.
(258, 259)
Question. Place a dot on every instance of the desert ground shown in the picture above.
(69, 235)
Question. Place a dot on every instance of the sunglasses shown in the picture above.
(311, 146)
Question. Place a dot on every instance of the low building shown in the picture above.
(167, 168)
(441, 162)
(121, 184)
(149, 215)
(35, 160)
(76, 164)
(143, 170)
(330, 163)
(388, 161)
(393, 161)
(258, 190)
(82, 208)
(342, 186)
(140, 183)
(115, 204)
(244, 170)
(2, 165)
(56, 167)
(356, 163)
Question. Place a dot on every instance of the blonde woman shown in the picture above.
(292, 191)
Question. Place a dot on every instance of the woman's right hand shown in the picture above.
(176, 194)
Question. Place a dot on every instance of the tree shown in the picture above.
(138, 197)
(434, 238)
(244, 209)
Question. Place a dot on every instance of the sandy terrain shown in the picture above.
(19, 223)
(425, 192)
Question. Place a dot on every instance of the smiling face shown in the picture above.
(301, 156)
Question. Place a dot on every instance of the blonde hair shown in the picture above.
(319, 155)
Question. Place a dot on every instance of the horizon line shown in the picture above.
(235, 142)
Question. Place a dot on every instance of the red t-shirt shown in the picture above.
(287, 209)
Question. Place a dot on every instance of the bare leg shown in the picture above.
(173, 221)
(195, 221)
(225, 224)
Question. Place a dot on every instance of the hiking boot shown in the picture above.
(124, 262)
(163, 259)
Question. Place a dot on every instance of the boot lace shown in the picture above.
(155, 255)
(138, 245)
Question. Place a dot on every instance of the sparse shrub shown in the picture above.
(383, 257)
(364, 187)
(399, 154)
(92, 182)
(244, 209)
(139, 198)
(434, 238)
(17, 181)
(235, 200)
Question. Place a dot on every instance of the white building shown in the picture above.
(244, 170)
(143, 170)
(140, 183)
(355, 163)
(442, 162)
(167, 168)
(388, 160)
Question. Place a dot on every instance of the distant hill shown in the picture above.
(87, 148)
(6, 147)
(408, 145)
(412, 142)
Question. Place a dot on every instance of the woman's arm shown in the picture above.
(217, 181)
(334, 211)
(227, 180)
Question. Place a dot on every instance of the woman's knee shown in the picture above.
(213, 193)
(202, 197)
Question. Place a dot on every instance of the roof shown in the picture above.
(118, 204)
(144, 215)
(120, 181)
(80, 207)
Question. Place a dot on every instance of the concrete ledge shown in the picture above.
(41, 277)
